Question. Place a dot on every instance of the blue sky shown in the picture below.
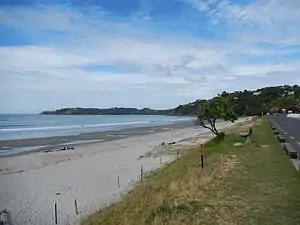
(142, 53)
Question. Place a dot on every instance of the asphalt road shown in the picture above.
(289, 128)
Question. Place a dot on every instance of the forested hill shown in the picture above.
(254, 102)
(245, 103)
(110, 111)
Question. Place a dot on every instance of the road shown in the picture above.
(289, 128)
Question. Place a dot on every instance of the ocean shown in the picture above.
(41, 126)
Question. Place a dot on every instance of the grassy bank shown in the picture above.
(253, 184)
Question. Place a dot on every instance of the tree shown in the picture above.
(217, 108)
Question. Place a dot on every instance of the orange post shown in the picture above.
(202, 149)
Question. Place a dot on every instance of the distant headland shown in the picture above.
(245, 103)
(109, 111)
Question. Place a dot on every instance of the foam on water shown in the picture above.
(39, 126)
(14, 151)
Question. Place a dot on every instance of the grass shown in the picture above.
(252, 184)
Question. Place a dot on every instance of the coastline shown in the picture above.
(34, 145)
(31, 184)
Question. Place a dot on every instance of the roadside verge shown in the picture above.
(250, 184)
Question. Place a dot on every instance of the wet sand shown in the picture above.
(32, 184)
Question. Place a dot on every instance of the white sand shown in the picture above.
(30, 183)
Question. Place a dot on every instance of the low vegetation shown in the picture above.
(252, 184)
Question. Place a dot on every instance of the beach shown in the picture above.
(31, 184)
(30, 145)
(22, 134)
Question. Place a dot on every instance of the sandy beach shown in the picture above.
(31, 184)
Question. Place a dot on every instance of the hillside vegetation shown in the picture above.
(110, 111)
(244, 102)
(248, 103)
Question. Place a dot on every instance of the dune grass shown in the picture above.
(252, 184)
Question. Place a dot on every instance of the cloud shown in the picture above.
(169, 68)
(260, 19)
(260, 12)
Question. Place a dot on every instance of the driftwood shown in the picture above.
(61, 149)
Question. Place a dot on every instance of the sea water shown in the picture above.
(41, 126)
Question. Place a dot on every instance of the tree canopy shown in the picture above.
(217, 108)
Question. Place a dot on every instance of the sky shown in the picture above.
(142, 53)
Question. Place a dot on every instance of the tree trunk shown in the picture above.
(216, 132)
(213, 126)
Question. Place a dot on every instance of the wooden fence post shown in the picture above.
(76, 208)
(55, 213)
(202, 154)
(142, 172)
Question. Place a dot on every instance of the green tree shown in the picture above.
(217, 108)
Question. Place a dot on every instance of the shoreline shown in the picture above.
(31, 184)
(34, 145)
